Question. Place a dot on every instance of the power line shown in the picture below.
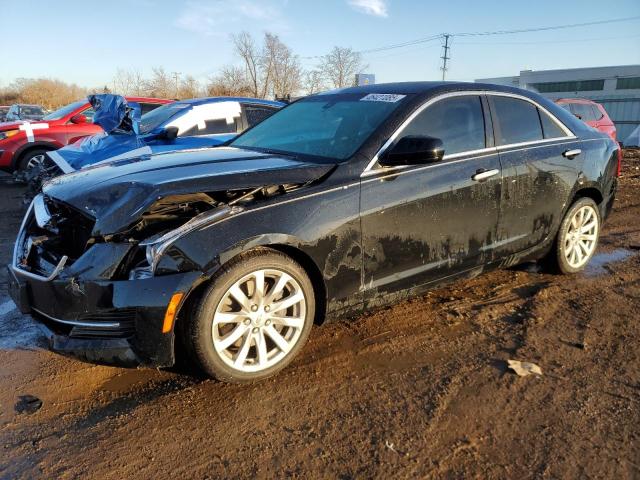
(544, 42)
(543, 29)
(388, 47)
(487, 33)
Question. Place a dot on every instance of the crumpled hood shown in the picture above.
(115, 194)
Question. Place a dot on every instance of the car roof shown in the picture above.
(429, 88)
(207, 100)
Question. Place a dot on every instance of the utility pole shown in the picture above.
(445, 55)
(176, 76)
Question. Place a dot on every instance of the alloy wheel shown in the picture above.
(259, 320)
(581, 238)
(35, 161)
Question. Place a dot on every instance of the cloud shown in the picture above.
(377, 8)
(220, 17)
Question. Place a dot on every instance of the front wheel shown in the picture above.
(33, 159)
(253, 319)
(577, 238)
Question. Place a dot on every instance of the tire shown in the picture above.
(251, 342)
(574, 247)
(32, 158)
(29, 160)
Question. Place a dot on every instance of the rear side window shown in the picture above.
(550, 128)
(212, 127)
(584, 111)
(458, 122)
(517, 121)
(596, 112)
(148, 107)
(255, 114)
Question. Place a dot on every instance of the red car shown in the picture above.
(591, 113)
(23, 144)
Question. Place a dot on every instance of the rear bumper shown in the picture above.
(115, 323)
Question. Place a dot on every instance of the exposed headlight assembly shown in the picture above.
(156, 247)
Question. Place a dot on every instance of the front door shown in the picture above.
(423, 223)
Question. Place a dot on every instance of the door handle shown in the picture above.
(571, 154)
(483, 174)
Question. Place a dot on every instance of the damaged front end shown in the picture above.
(101, 296)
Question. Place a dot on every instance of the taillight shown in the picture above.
(619, 170)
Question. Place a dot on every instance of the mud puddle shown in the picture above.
(600, 261)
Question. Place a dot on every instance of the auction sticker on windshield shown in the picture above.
(382, 97)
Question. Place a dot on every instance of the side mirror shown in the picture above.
(413, 150)
(79, 118)
(579, 117)
(169, 133)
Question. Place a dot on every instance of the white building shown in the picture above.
(616, 88)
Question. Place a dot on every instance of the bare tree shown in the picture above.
(189, 88)
(246, 48)
(230, 82)
(128, 82)
(340, 66)
(160, 84)
(284, 74)
(47, 92)
(314, 82)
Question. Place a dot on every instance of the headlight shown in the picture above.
(8, 133)
(151, 255)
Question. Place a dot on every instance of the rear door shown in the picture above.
(537, 177)
(422, 223)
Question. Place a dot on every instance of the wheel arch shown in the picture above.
(591, 192)
(29, 147)
(285, 244)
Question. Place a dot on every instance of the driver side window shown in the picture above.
(457, 121)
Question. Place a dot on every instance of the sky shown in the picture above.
(86, 41)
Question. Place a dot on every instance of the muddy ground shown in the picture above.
(418, 390)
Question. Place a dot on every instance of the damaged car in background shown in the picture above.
(337, 204)
(183, 125)
(23, 144)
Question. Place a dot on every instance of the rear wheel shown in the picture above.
(253, 319)
(577, 238)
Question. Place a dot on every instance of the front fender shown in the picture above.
(324, 226)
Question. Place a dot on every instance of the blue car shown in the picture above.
(183, 125)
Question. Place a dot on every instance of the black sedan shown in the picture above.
(339, 203)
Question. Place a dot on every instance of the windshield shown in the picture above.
(161, 115)
(66, 110)
(332, 126)
(31, 110)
